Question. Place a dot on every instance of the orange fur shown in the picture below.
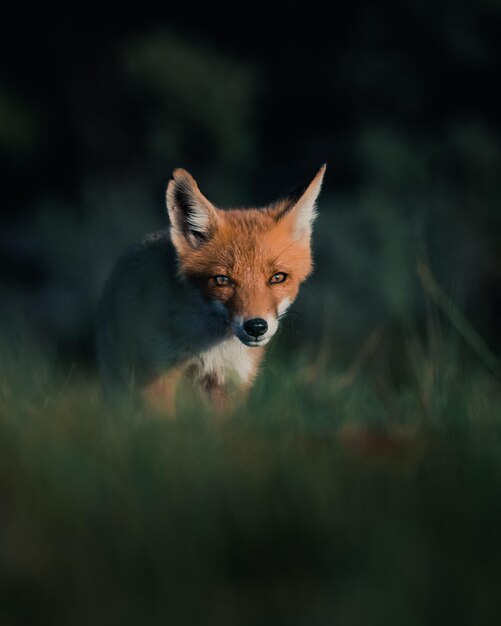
(250, 247)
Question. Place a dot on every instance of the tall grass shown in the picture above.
(340, 494)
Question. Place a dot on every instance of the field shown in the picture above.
(343, 493)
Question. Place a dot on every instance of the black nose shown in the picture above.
(256, 327)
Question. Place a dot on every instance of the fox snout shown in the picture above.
(256, 327)
(255, 331)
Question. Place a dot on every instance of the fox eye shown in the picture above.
(221, 281)
(279, 277)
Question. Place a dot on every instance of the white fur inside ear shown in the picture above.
(191, 215)
(303, 214)
(198, 218)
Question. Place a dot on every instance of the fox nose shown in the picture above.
(256, 327)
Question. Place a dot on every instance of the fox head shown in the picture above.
(247, 263)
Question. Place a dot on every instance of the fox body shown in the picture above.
(204, 298)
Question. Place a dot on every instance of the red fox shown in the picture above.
(203, 299)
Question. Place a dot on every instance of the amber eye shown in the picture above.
(221, 281)
(279, 277)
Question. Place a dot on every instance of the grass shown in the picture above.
(341, 494)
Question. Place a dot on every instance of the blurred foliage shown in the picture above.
(397, 99)
(334, 483)
(200, 106)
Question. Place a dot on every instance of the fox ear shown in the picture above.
(193, 218)
(299, 207)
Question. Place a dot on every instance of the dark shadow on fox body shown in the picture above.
(149, 318)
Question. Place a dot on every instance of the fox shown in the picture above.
(202, 299)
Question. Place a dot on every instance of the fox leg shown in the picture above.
(160, 394)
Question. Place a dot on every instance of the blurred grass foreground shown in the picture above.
(336, 496)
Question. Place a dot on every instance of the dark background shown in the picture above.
(97, 106)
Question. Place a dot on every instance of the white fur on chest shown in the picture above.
(227, 360)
